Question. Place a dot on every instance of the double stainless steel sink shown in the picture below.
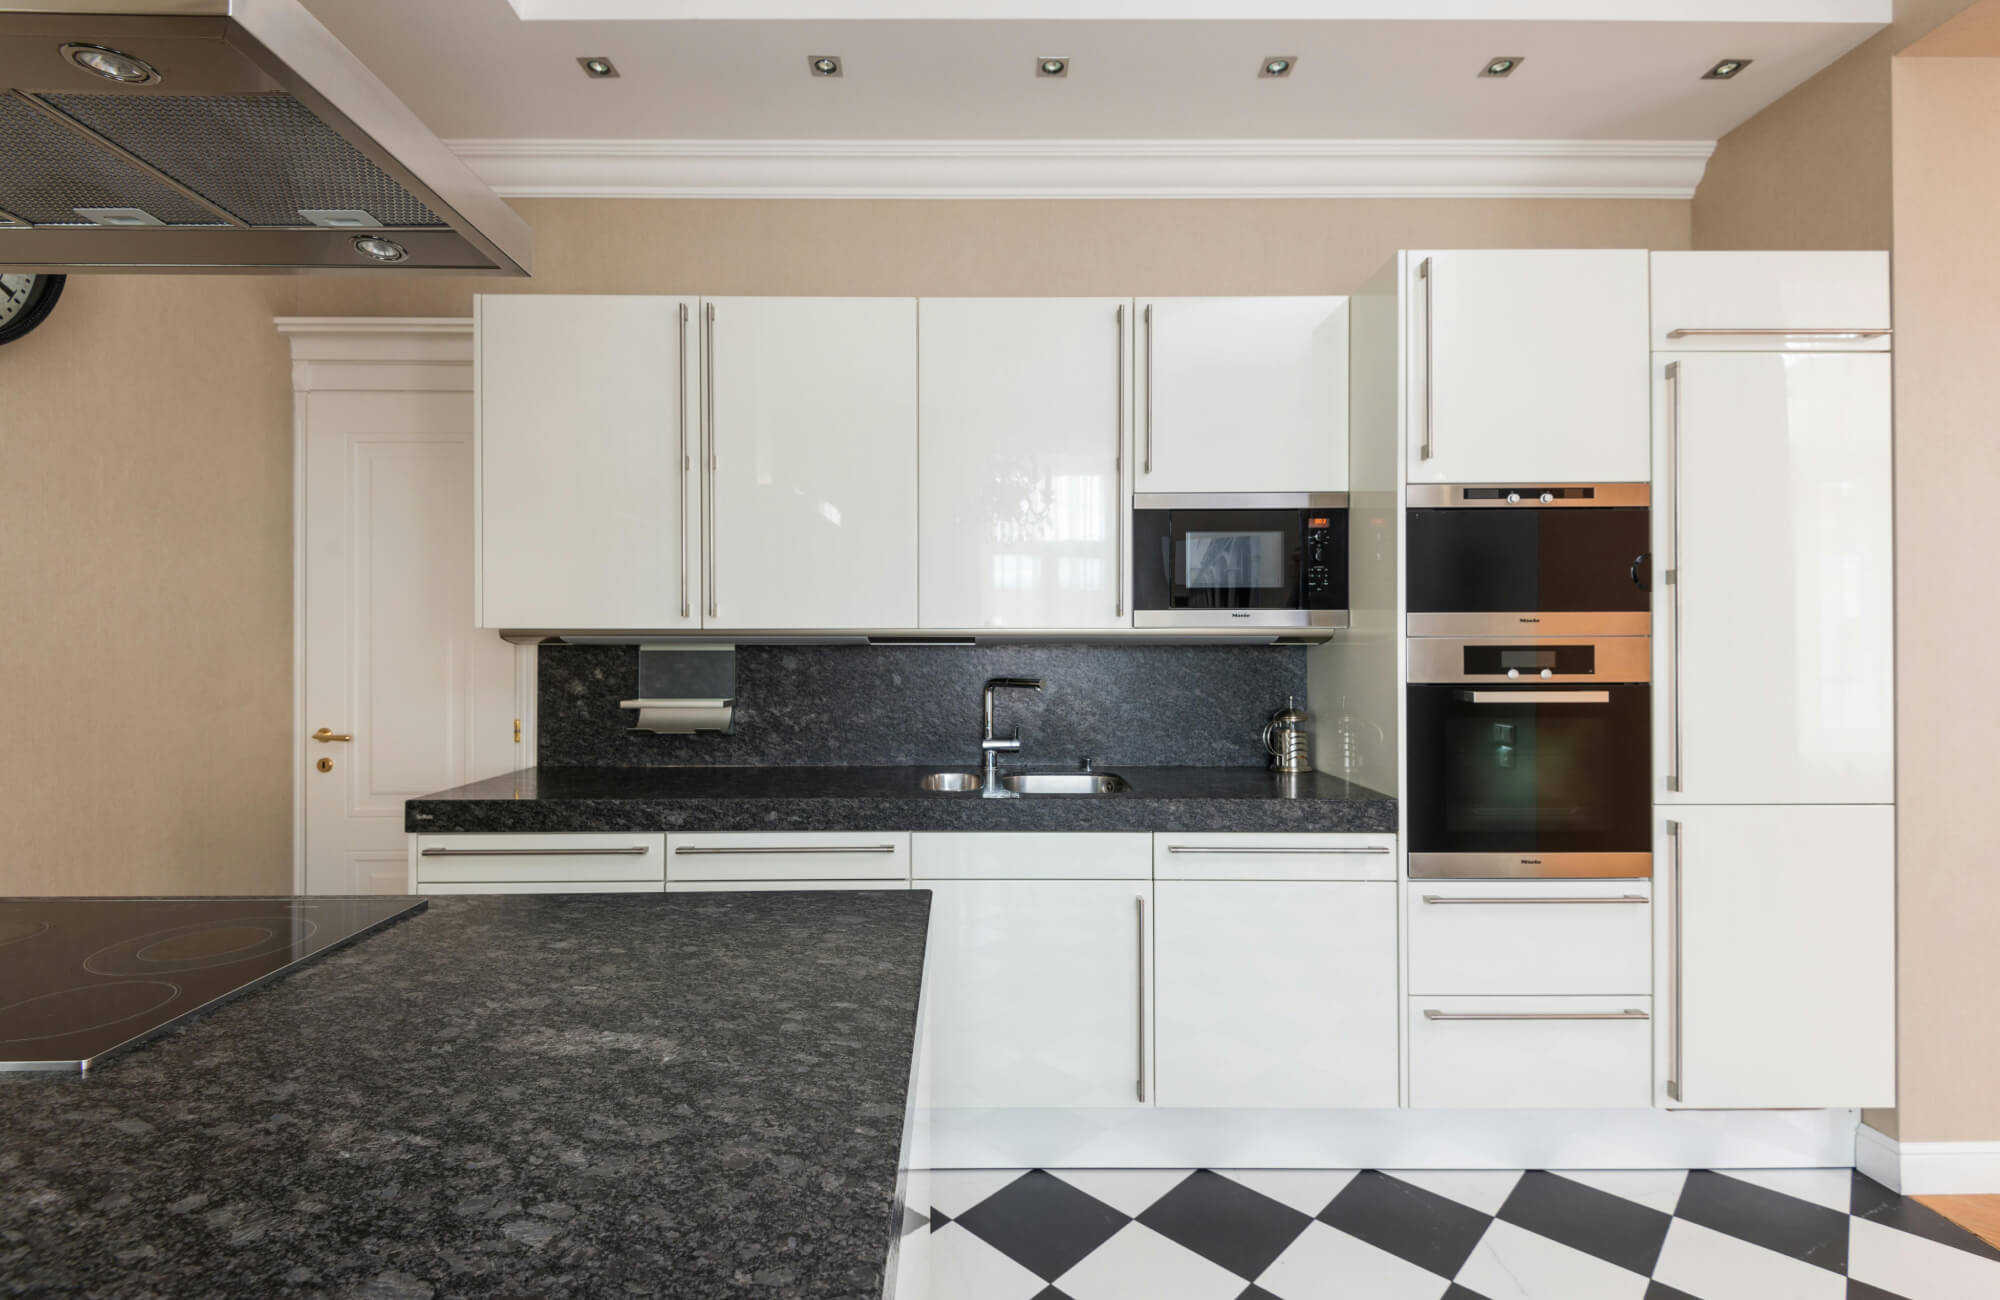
(1031, 782)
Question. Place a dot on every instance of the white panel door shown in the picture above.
(1022, 421)
(1745, 302)
(1529, 366)
(1242, 395)
(1275, 994)
(1035, 993)
(812, 473)
(587, 506)
(1773, 647)
(412, 696)
(1778, 957)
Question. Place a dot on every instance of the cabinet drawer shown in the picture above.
(790, 856)
(779, 886)
(561, 861)
(1507, 1052)
(1032, 855)
(542, 887)
(1531, 937)
(1274, 857)
(1740, 302)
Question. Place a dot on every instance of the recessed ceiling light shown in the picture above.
(597, 67)
(824, 65)
(1052, 65)
(110, 64)
(1503, 66)
(1726, 69)
(1278, 65)
(382, 250)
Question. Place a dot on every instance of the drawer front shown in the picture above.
(777, 886)
(557, 860)
(1742, 302)
(1542, 937)
(1032, 855)
(542, 887)
(1507, 1052)
(1274, 857)
(790, 856)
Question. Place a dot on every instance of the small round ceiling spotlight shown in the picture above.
(1278, 65)
(1726, 69)
(824, 65)
(597, 67)
(1503, 65)
(1052, 65)
(110, 64)
(382, 250)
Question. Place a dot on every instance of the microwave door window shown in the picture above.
(1232, 570)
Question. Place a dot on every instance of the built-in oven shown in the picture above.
(1261, 559)
(1529, 757)
(1529, 559)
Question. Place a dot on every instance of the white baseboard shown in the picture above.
(1928, 1168)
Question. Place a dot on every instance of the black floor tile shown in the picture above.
(1050, 1293)
(1256, 1293)
(1661, 1291)
(1762, 1217)
(1612, 1228)
(1862, 1291)
(1226, 1222)
(1878, 1204)
(1457, 1292)
(938, 1218)
(1422, 1227)
(1042, 1223)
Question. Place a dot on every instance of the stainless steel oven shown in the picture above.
(1258, 559)
(1529, 757)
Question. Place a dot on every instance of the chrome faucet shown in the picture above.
(991, 748)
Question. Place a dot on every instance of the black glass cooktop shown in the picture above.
(82, 978)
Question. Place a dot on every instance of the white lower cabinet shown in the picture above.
(537, 864)
(788, 860)
(1539, 937)
(1485, 1053)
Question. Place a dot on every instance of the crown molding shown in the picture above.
(1088, 169)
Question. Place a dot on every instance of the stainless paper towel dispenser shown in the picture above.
(685, 689)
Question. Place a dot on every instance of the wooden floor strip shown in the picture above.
(1979, 1214)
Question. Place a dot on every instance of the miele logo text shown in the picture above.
(1531, 862)
(1531, 620)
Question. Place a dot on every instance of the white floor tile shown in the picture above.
(954, 1191)
(1140, 1264)
(1512, 1263)
(1658, 1188)
(962, 1267)
(1306, 1190)
(1716, 1266)
(1917, 1267)
(1485, 1190)
(1129, 1191)
(1327, 1264)
(1833, 1188)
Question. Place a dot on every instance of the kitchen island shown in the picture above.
(683, 1096)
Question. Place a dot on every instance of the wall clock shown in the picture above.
(25, 302)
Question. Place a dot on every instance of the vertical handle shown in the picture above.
(1149, 388)
(1674, 954)
(1140, 902)
(1424, 274)
(1675, 781)
(680, 503)
(1118, 483)
(708, 434)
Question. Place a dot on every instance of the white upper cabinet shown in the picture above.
(811, 483)
(1023, 421)
(1241, 395)
(1763, 302)
(1528, 366)
(588, 502)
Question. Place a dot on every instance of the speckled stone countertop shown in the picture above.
(683, 1096)
(634, 799)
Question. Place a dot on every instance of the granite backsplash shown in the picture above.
(1198, 706)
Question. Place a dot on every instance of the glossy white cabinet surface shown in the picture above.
(1537, 1056)
(1031, 855)
(587, 512)
(789, 856)
(1241, 395)
(1034, 993)
(1022, 417)
(1275, 994)
(1536, 366)
(1292, 856)
(1744, 302)
(518, 863)
(1531, 937)
(1774, 651)
(812, 494)
(1778, 957)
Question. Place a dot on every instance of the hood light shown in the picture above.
(382, 250)
(118, 217)
(110, 64)
(1278, 65)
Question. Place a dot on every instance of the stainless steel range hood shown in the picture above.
(222, 135)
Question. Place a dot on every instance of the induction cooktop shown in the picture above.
(84, 978)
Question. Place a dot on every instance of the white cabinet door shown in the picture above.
(1528, 366)
(1036, 995)
(812, 475)
(1778, 947)
(1022, 421)
(1242, 395)
(586, 447)
(1773, 645)
(1276, 994)
(1761, 302)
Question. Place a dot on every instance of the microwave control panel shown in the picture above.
(1321, 555)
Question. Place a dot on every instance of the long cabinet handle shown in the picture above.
(1118, 513)
(1140, 908)
(681, 850)
(1149, 387)
(1274, 848)
(1675, 835)
(634, 851)
(1430, 441)
(680, 502)
(1673, 575)
(708, 435)
(1444, 900)
(1780, 333)
(1628, 1014)
(1532, 697)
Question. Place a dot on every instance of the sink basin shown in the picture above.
(1065, 783)
(951, 781)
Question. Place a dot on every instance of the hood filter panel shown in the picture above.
(48, 171)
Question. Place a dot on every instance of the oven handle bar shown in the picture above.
(1533, 697)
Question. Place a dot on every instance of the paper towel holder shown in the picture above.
(685, 689)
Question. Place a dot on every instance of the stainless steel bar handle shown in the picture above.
(1673, 575)
(1628, 1014)
(692, 851)
(1149, 387)
(1533, 697)
(1119, 516)
(1674, 833)
(1781, 333)
(708, 434)
(1275, 848)
(636, 850)
(1424, 274)
(1503, 899)
(680, 502)
(1140, 906)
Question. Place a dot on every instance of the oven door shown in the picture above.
(1517, 780)
(1255, 561)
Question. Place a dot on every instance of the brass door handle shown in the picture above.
(326, 736)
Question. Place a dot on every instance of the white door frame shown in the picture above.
(369, 354)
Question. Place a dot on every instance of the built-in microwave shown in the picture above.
(1255, 559)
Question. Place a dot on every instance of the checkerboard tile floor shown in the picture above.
(1772, 1234)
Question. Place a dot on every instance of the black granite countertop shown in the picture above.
(682, 1096)
(638, 799)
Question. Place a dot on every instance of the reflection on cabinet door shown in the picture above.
(1774, 640)
(1276, 994)
(1023, 417)
(586, 505)
(1241, 395)
(811, 485)
(1035, 991)
(1777, 951)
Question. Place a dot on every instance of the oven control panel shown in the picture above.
(1321, 555)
